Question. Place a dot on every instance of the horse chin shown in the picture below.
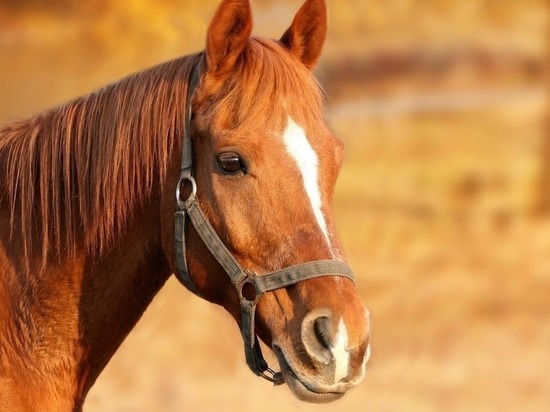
(303, 390)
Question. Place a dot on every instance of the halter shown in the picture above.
(240, 277)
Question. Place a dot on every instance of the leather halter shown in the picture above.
(189, 207)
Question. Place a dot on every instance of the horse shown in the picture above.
(90, 229)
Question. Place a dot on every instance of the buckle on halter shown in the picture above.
(191, 194)
(276, 378)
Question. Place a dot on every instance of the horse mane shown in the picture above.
(81, 168)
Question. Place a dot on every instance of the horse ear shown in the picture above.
(306, 36)
(228, 34)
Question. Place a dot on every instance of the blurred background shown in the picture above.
(443, 203)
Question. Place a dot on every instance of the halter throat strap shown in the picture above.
(188, 209)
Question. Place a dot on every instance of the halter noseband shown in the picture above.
(239, 276)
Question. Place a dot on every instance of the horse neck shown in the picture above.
(117, 289)
(75, 315)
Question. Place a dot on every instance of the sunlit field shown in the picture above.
(442, 205)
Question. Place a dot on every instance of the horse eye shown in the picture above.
(230, 163)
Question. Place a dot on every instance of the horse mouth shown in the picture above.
(301, 389)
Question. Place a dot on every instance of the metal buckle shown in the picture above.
(276, 378)
(191, 179)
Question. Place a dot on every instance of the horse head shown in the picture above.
(265, 164)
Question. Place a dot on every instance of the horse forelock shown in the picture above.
(267, 85)
(73, 175)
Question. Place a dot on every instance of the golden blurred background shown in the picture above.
(443, 203)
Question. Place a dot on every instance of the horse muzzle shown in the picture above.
(326, 363)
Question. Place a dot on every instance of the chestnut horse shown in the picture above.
(87, 217)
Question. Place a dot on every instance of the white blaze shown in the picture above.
(298, 146)
(341, 353)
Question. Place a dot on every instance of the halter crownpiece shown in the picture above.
(189, 207)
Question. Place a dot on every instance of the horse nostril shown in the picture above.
(318, 336)
(321, 328)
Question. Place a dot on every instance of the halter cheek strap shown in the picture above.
(188, 208)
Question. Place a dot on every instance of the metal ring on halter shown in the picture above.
(257, 295)
(193, 189)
